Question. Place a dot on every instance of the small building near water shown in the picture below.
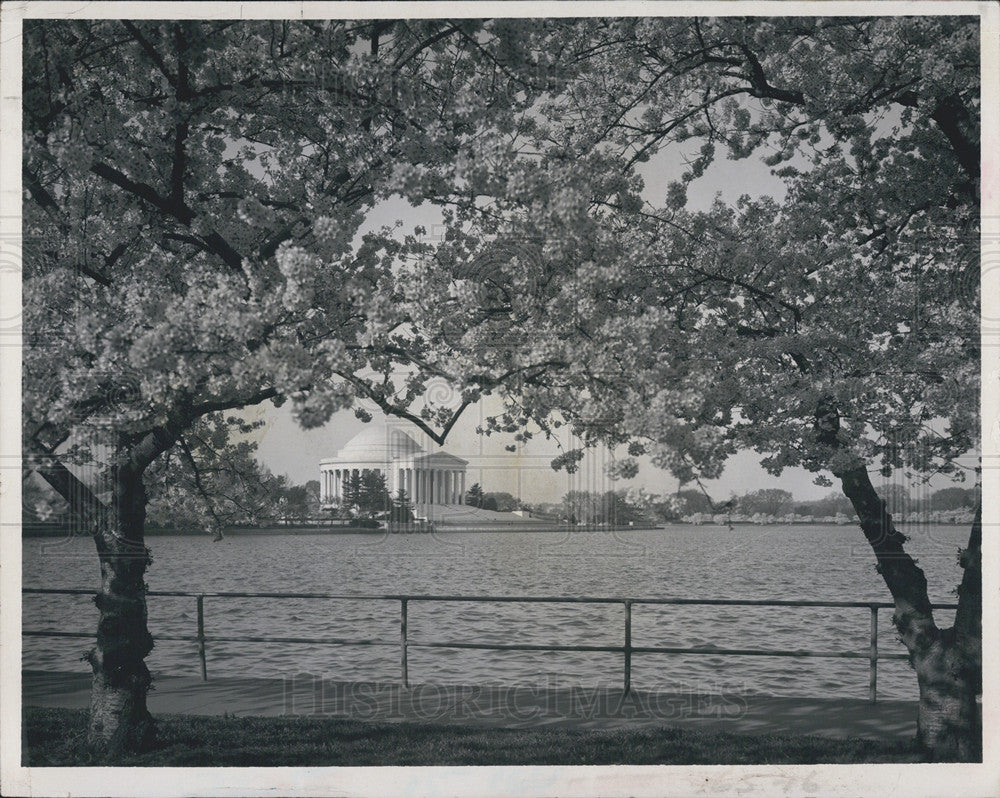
(429, 478)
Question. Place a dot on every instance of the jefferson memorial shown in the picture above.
(429, 478)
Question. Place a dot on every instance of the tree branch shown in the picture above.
(43, 198)
(913, 617)
(199, 410)
(952, 118)
(83, 502)
(148, 48)
(761, 88)
(438, 438)
(176, 209)
(428, 42)
(968, 618)
(200, 486)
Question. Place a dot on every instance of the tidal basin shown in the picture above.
(818, 563)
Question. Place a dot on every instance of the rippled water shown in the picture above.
(768, 562)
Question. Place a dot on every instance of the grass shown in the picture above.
(55, 737)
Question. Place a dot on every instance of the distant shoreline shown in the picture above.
(42, 530)
(52, 530)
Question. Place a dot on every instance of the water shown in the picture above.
(828, 563)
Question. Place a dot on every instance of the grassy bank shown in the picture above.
(55, 737)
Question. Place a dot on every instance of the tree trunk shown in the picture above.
(949, 720)
(950, 716)
(947, 661)
(119, 719)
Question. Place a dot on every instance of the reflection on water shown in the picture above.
(825, 563)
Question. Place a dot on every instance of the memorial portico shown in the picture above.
(428, 478)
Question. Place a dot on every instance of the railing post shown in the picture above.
(628, 648)
(201, 637)
(873, 656)
(404, 665)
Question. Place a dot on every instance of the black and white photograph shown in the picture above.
(602, 393)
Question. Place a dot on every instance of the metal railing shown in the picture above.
(627, 650)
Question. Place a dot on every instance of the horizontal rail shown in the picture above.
(724, 652)
(334, 641)
(761, 652)
(517, 599)
(329, 641)
(873, 655)
(514, 646)
(50, 633)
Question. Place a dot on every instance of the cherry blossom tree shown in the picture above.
(834, 327)
(193, 235)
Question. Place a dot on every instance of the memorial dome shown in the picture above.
(379, 445)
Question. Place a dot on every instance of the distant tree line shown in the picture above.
(623, 507)
(778, 503)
